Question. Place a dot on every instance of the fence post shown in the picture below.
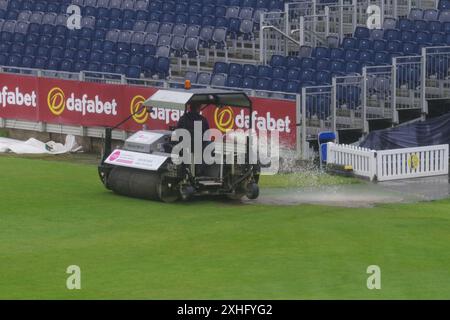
(341, 19)
(304, 143)
(373, 165)
(261, 38)
(423, 80)
(394, 91)
(299, 124)
(330, 154)
(333, 104)
(327, 21)
(446, 158)
(364, 100)
(302, 31)
(287, 28)
(355, 14)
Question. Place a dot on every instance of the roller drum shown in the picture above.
(134, 183)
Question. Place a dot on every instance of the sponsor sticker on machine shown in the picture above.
(145, 137)
(136, 160)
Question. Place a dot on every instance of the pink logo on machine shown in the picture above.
(114, 156)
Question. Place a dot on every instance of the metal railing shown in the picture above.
(310, 22)
(377, 97)
(406, 83)
(347, 107)
(348, 103)
(436, 79)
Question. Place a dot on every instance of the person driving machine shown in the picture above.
(187, 121)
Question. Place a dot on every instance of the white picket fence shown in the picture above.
(362, 160)
(391, 164)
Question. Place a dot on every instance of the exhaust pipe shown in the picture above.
(108, 144)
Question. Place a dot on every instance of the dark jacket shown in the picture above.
(187, 121)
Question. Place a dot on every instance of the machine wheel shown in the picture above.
(167, 191)
(252, 191)
(187, 192)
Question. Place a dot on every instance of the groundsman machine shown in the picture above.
(145, 167)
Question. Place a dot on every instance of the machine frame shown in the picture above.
(173, 181)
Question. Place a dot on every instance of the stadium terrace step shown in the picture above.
(378, 124)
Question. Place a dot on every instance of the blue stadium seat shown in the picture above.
(444, 5)
(277, 61)
(352, 67)
(162, 67)
(308, 63)
(381, 57)
(322, 64)
(234, 69)
(391, 34)
(292, 62)
(415, 14)
(349, 43)
(234, 27)
(351, 55)
(434, 26)
(438, 39)
(405, 24)
(337, 66)
(249, 70)
(410, 48)
(307, 75)
(133, 72)
(278, 85)
(234, 82)
(279, 73)
(293, 74)
(323, 77)
(293, 86)
(321, 52)
(362, 33)
(248, 82)
(264, 71)
(263, 84)
(219, 80)
(420, 25)
(336, 53)
(430, 15)
(393, 46)
(366, 56)
(181, 18)
(407, 35)
(365, 44)
(423, 38)
(220, 67)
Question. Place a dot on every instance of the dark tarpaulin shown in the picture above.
(425, 133)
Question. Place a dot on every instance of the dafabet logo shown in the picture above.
(224, 118)
(58, 102)
(140, 115)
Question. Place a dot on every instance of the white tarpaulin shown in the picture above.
(33, 146)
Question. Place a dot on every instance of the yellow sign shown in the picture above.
(224, 118)
(140, 116)
(413, 161)
(56, 101)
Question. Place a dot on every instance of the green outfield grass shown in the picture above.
(54, 214)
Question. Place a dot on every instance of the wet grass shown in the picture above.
(56, 213)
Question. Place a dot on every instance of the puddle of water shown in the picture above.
(365, 194)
